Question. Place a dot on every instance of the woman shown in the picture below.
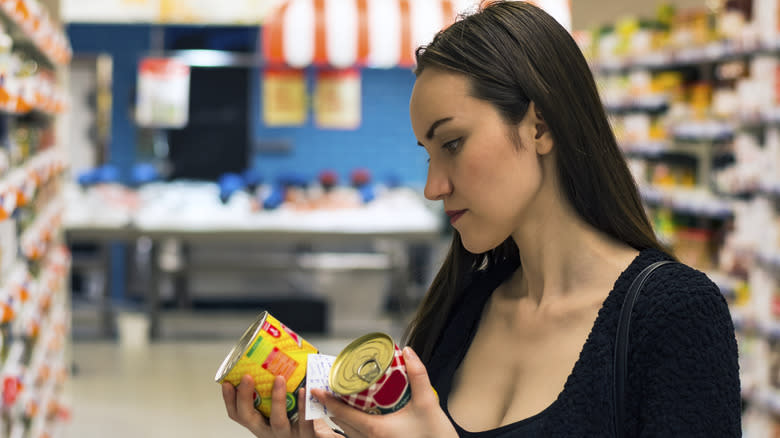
(517, 331)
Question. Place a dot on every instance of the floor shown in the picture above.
(163, 390)
(127, 388)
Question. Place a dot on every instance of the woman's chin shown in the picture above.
(476, 247)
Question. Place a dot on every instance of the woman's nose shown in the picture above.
(438, 184)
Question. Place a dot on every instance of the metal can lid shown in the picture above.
(231, 360)
(361, 363)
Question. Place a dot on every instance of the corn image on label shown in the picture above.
(280, 364)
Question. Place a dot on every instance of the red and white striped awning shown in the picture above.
(371, 33)
(345, 33)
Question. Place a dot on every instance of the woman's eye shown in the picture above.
(451, 146)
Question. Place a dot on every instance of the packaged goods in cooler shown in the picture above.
(361, 180)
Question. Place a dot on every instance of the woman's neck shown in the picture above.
(561, 254)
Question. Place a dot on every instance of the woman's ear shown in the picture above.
(542, 136)
(539, 124)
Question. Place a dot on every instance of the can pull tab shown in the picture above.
(369, 371)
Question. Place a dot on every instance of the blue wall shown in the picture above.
(127, 44)
(384, 142)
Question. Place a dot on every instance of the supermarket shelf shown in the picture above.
(696, 129)
(35, 34)
(750, 185)
(25, 43)
(709, 140)
(19, 186)
(688, 201)
(749, 325)
(703, 131)
(41, 108)
(659, 148)
(768, 399)
(641, 104)
(744, 324)
(771, 330)
(727, 284)
(770, 188)
(647, 149)
(767, 117)
(685, 138)
(36, 239)
(716, 52)
(768, 259)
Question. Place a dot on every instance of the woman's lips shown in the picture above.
(455, 215)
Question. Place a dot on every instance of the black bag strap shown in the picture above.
(621, 345)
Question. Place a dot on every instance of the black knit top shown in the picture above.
(683, 377)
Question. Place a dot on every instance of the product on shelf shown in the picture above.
(361, 180)
(33, 264)
(695, 247)
(229, 183)
(297, 192)
(37, 26)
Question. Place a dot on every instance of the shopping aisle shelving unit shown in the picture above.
(695, 103)
(34, 263)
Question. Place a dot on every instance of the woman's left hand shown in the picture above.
(422, 417)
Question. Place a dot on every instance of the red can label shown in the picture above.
(389, 394)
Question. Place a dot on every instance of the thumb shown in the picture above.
(422, 391)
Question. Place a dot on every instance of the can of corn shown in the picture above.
(268, 349)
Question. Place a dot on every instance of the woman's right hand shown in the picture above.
(241, 409)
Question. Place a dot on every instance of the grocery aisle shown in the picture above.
(689, 102)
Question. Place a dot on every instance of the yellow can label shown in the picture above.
(274, 351)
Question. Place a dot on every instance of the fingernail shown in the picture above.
(410, 354)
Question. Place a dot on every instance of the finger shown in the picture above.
(229, 396)
(248, 416)
(324, 430)
(279, 422)
(349, 431)
(303, 424)
(340, 412)
(422, 392)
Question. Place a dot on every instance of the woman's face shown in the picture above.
(488, 182)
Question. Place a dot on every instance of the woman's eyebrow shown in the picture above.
(434, 125)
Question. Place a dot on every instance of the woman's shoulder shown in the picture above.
(683, 356)
(675, 282)
(677, 295)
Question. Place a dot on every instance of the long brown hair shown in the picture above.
(514, 53)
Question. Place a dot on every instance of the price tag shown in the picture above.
(317, 370)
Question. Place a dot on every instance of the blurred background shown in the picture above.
(171, 168)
